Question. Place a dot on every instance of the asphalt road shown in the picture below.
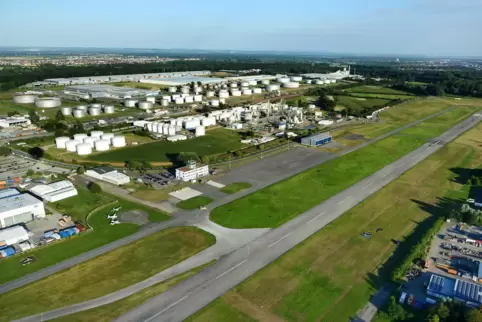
(307, 161)
(190, 296)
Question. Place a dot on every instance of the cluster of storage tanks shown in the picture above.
(162, 128)
(84, 144)
(40, 102)
(92, 110)
(197, 123)
(323, 81)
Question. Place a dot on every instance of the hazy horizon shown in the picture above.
(435, 28)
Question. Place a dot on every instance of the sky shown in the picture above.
(404, 27)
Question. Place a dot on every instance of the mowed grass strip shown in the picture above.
(215, 141)
(376, 90)
(359, 104)
(107, 273)
(235, 187)
(102, 233)
(111, 311)
(194, 203)
(333, 274)
(278, 203)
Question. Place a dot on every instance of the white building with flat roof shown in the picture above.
(14, 122)
(192, 171)
(109, 175)
(13, 235)
(55, 191)
(20, 208)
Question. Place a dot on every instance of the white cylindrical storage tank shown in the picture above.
(60, 142)
(66, 111)
(308, 81)
(24, 98)
(272, 87)
(82, 108)
(80, 137)
(179, 100)
(179, 122)
(296, 78)
(222, 100)
(151, 99)
(96, 105)
(198, 98)
(244, 84)
(165, 129)
(185, 95)
(70, 145)
(333, 81)
(252, 83)
(96, 134)
(118, 141)
(198, 90)
(94, 111)
(90, 140)
(319, 82)
(257, 90)
(171, 130)
(282, 80)
(165, 102)
(130, 103)
(247, 91)
(101, 145)
(265, 81)
(200, 131)
(79, 114)
(236, 93)
(208, 121)
(223, 94)
(172, 89)
(209, 94)
(185, 90)
(233, 85)
(107, 136)
(175, 96)
(149, 126)
(188, 99)
(108, 109)
(291, 85)
(48, 102)
(166, 97)
(145, 105)
(172, 121)
(83, 149)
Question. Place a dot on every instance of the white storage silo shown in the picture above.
(319, 82)
(185, 90)
(101, 145)
(165, 129)
(118, 141)
(200, 131)
(233, 85)
(247, 91)
(60, 142)
(188, 99)
(282, 80)
(223, 94)
(333, 81)
(296, 78)
(252, 83)
(94, 111)
(291, 85)
(171, 130)
(197, 90)
(179, 122)
(108, 109)
(79, 114)
(96, 134)
(149, 126)
(90, 140)
(244, 84)
(151, 99)
(66, 111)
(210, 94)
(145, 105)
(166, 97)
(82, 107)
(83, 149)
(24, 98)
(172, 89)
(208, 121)
(179, 100)
(308, 81)
(48, 102)
(130, 103)
(257, 90)
(107, 136)
(96, 105)
(265, 82)
(272, 87)
(70, 145)
(80, 137)
(236, 93)
(198, 98)
(165, 102)
(172, 121)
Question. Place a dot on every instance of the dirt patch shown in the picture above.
(354, 137)
(253, 310)
(137, 217)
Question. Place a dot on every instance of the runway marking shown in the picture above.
(167, 308)
(344, 200)
(414, 157)
(386, 174)
(232, 268)
(368, 185)
(279, 240)
(398, 166)
(316, 217)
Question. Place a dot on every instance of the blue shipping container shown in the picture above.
(10, 251)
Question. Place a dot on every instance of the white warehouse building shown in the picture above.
(109, 175)
(55, 191)
(192, 171)
(17, 208)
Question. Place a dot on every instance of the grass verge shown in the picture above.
(107, 273)
(235, 187)
(194, 203)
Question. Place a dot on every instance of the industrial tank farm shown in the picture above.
(48, 102)
(21, 98)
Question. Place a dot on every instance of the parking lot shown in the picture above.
(160, 179)
(14, 166)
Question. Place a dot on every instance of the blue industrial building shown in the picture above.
(459, 290)
(478, 198)
(317, 139)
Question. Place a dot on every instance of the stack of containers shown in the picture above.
(67, 232)
(8, 251)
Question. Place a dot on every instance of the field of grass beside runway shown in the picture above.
(194, 203)
(357, 103)
(78, 207)
(331, 275)
(107, 273)
(370, 89)
(278, 203)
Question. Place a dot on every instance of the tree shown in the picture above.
(184, 157)
(36, 152)
(433, 318)
(10, 114)
(205, 159)
(146, 165)
(326, 103)
(473, 315)
(30, 173)
(4, 151)
(34, 118)
(80, 170)
(95, 188)
(59, 116)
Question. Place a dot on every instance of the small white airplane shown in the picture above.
(114, 216)
(115, 222)
(116, 209)
(203, 208)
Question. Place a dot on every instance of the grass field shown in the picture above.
(194, 203)
(111, 311)
(278, 203)
(370, 89)
(215, 141)
(331, 275)
(78, 207)
(235, 187)
(358, 104)
(107, 273)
